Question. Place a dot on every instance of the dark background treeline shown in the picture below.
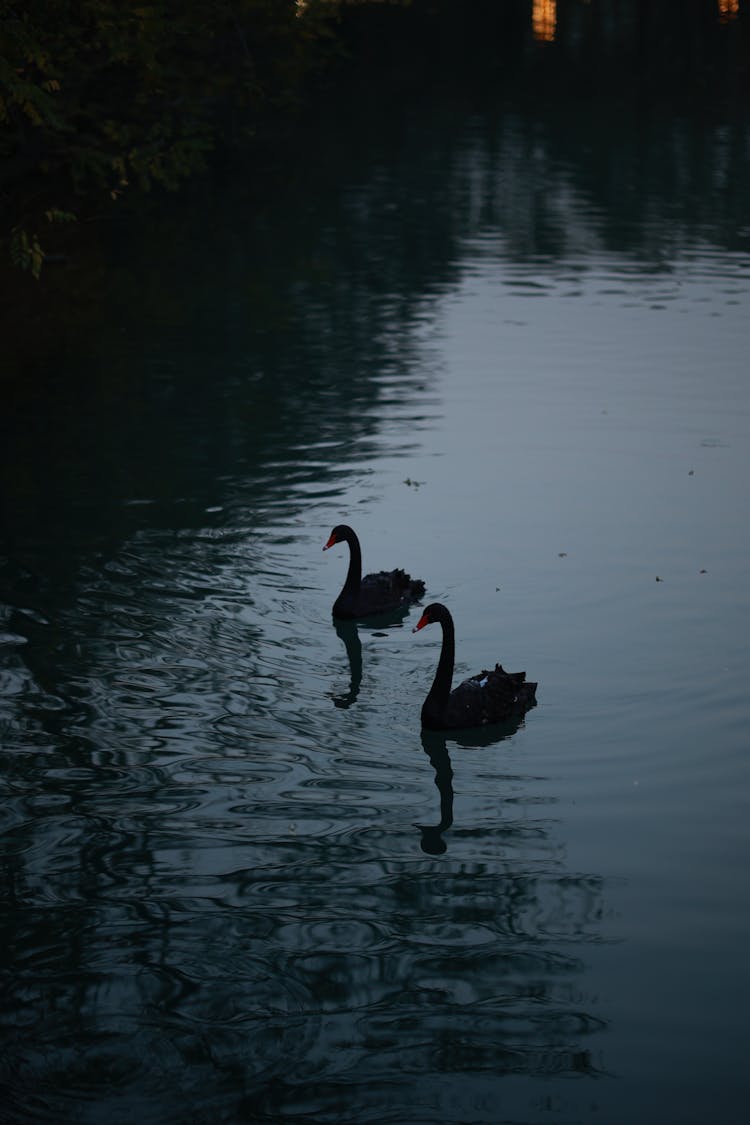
(103, 101)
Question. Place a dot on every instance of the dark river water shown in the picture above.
(510, 347)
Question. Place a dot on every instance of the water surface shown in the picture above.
(239, 883)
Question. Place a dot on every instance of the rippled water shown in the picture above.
(239, 883)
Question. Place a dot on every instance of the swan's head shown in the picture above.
(338, 535)
(432, 613)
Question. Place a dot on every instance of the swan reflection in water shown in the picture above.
(434, 746)
(348, 632)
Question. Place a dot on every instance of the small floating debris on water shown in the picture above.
(413, 483)
(691, 472)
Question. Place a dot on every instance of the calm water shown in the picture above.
(238, 883)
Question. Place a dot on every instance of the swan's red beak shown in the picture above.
(424, 620)
(331, 542)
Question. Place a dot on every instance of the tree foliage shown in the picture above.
(100, 97)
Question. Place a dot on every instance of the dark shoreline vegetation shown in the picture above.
(107, 109)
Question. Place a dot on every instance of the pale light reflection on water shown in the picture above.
(236, 875)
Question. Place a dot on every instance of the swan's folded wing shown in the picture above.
(388, 589)
(490, 697)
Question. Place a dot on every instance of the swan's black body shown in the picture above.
(488, 697)
(383, 592)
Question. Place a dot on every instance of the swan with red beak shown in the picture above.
(384, 592)
(492, 696)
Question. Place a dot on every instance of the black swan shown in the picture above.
(488, 697)
(384, 592)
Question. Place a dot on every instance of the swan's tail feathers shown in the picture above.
(416, 588)
(410, 589)
(524, 691)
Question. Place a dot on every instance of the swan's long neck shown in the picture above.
(441, 685)
(354, 574)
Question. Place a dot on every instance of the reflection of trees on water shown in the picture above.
(196, 934)
(185, 388)
(247, 961)
(204, 938)
(177, 948)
